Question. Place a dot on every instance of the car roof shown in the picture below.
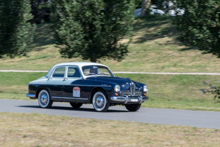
(80, 64)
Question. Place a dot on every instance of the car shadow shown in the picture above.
(69, 108)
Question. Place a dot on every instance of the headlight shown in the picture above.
(117, 88)
(145, 88)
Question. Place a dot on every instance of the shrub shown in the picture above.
(215, 90)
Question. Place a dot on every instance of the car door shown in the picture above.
(55, 82)
(71, 90)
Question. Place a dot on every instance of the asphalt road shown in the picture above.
(200, 119)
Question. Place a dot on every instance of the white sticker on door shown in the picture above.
(76, 92)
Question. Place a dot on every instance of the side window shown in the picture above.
(59, 72)
(73, 72)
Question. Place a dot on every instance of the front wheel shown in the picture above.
(76, 105)
(133, 107)
(100, 102)
(44, 99)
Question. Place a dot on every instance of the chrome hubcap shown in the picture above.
(100, 101)
(44, 98)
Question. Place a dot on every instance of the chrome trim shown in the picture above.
(126, 99)
(92, 85)
(30, 95)
(128, 93)
(56, 97)
(76, 98)
(132, 88)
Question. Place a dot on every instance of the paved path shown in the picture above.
(201, 119)
(128, 72)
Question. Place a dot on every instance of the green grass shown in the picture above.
(47, 130)
(15, 85)
(165, 91)
(154, 48)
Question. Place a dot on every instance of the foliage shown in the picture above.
(200, 24)
(93, 29)
(138, 3)
(40, 10)
(15, 30)
(215, 90)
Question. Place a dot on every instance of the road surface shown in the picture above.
(200, 119)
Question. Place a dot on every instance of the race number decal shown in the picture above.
(76, 92)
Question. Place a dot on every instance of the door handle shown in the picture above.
(65, 79)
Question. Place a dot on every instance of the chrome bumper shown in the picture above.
(128, 99)
(32, 96)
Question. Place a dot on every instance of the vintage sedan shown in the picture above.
(85, 82)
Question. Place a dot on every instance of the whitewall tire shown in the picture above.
(100, 102)
(44, 99)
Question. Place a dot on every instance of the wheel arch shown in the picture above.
(95, 90)
(41, 88)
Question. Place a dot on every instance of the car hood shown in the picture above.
(117, 80)
(124, 83)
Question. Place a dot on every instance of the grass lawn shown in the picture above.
(46, 130)
(165, 91)
(154, 48)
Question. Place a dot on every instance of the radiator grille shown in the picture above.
(128, 93)
(132, 89)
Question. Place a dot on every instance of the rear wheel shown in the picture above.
(100, 102)
(76, 105)
(133, 107)
(44, 99)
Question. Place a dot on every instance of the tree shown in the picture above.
(93, 29)
(15, 30)
(144, 6)
(215, 90)
(40, 9)
(138, 4)
(200, 24)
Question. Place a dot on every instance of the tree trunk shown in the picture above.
(93, 59)
(144, 6)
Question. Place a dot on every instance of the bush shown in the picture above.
(200, 24)
(215, 90)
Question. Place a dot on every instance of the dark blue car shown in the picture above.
(86, 82)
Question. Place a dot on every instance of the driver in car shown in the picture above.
(93, 71)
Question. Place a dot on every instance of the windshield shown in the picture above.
(96, 71)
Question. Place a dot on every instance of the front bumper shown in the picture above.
(129, 99)
(31, 96)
